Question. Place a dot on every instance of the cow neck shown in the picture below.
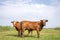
(16, 27)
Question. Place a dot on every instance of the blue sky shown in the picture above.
(34, 10)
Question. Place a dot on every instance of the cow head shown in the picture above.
(14, 23)
(44, 22)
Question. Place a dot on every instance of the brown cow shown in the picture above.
(30, 26)
(17, 25)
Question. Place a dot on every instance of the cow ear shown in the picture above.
(11, 21)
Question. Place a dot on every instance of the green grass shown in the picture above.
(45, 34)
(6, 28)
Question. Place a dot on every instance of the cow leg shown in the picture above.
(38, 33)
(28, 32)
(31, 33)
(18, 33)
(23, 32)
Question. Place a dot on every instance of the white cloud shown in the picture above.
(55, 2)
(21, 11)
(35, 9)
(31, 10)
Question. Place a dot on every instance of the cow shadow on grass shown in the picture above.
(14, 35)
(30, 36)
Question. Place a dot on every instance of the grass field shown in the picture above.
(45, 34)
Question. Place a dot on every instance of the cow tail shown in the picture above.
(21, 29)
